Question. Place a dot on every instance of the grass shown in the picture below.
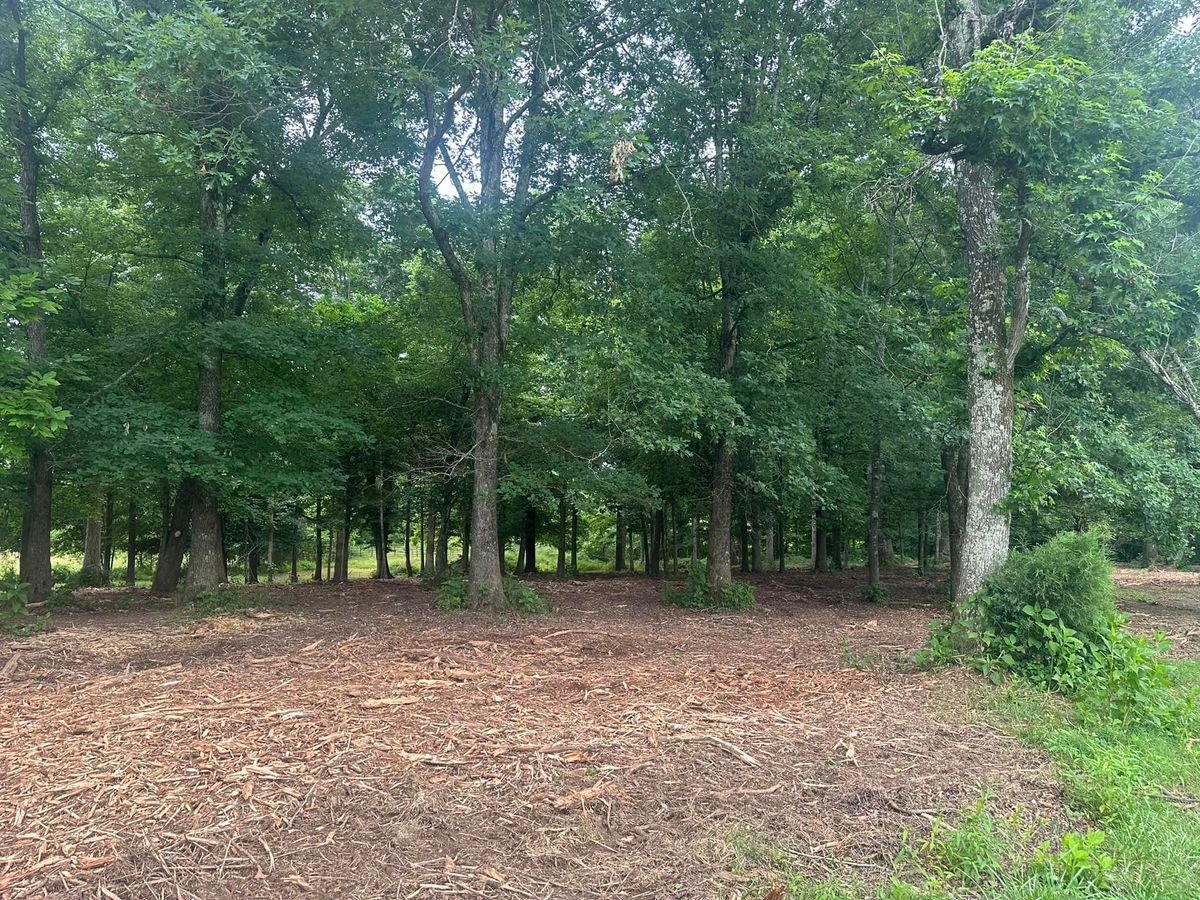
(1133, 795)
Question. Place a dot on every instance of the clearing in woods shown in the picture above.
(356, 742)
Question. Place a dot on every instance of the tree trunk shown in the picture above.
(718, 570)
(874, 506)
(431, 530)
(955, 475)
(270, 544)
(34, 563)
(170, 560)
(485, 584)
(320, 545)
(206, 569)
(93, 553)
(769, 546)
(561, 569)
(107, 539)
(574, 539)
(408, 565)
(782, 558)
(695, 538)
(531, 539)
(131, 544)
(619, 563)
(756, 548)
(443, 541)
(744, 542)
(993, 341)
(820, 544)
(989, 383)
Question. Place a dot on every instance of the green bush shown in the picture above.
(1069, 575)
(224, 601)
(738, 595)
(452, 595)
(1048, 615)
(873, 593)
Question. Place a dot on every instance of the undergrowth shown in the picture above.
(224, 601)
(15, 618)
(1048, 617)
(737, 595)
(452, 595)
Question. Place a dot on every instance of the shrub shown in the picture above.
(224, 601)
(452, 595)
(873, 593)
(1048, 615)
(737, 595)
(1069, 576)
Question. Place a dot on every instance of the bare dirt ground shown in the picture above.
(359, 743)
(1163, 601)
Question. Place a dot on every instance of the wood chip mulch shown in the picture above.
(358, 743)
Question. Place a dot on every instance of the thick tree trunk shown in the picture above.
(719, 570)
(769, 546)
(989, 382)
(294, 577)
(131, 534)
(170, 560)
(619, 563)
(431, 530)
(820, 545)
(270, 545)
(485, 584)
(695, 538)
(34, 564)
(206, 568)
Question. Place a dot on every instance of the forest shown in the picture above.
(600, 448)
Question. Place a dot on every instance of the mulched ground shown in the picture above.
(358, 743)
(1163, 601)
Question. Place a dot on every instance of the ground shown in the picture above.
(354, 741)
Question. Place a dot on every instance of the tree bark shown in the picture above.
(619, 563)
(131, 533)
(756, 547)
(318, 574)
(408, 565)
(170, 560)
(206, 568)
(107, 549)
(718, 570)
(561, 569)
(955, 476)
(34, 563)
(574, 539)
(531, 560)
(93, 554)
(993, 341)
(443, 541)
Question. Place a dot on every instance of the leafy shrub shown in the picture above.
(225, 601)
(1069, 575)
(873, 593)
(452, 595)
(737, 595)
(1048, 615)
(15, 620)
